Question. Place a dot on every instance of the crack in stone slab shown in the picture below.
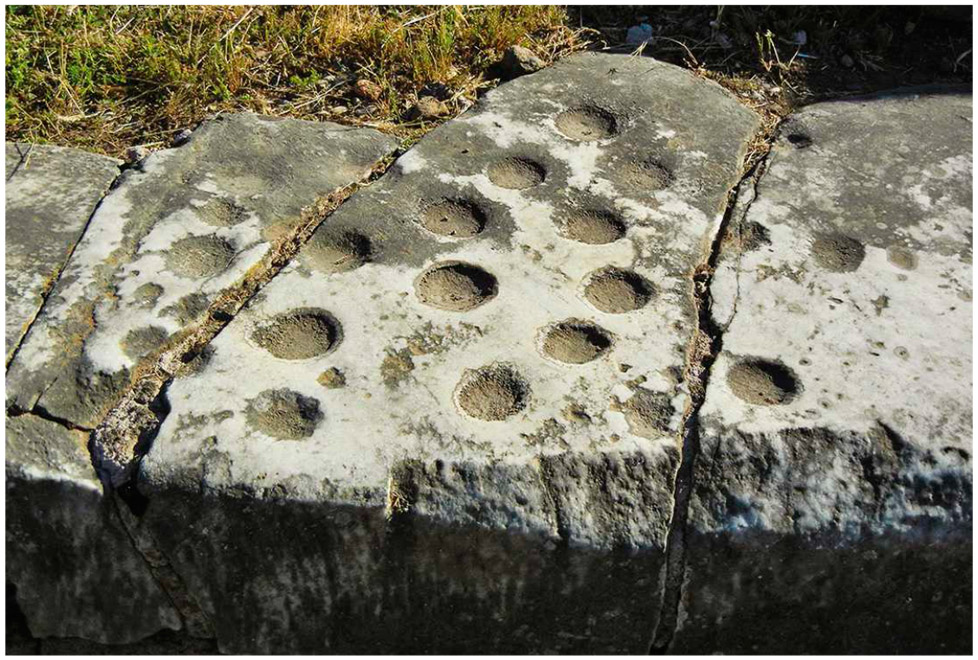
(85, 176)
(125, 432)
(704, 346)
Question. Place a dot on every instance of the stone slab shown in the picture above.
(839, 411)
(50, 195)
(76, 571)
(183, 225)
(337, 387)
(596, 143)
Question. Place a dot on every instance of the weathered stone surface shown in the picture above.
(50, 195)
(862, 297)
(176, 231)
(75, 569)
(839, 413)
(438, 397)
(405, 351)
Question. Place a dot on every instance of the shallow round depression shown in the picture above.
(762, 382)
(516, 173)
(336, 251)
(298, 334)
(593, 227)
(455, 218)
(574, 341)
(492, 393)
(284, 414)
(587, 123)
(455, 286)
(199, 256)
(617, 291)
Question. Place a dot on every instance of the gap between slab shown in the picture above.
(705, 345)
(119, 441)
(53, 279)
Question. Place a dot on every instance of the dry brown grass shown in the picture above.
(105, 78)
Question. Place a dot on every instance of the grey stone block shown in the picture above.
(443, 352)
(76, 571)
(189, 222)
(50, 195)
(834, 480)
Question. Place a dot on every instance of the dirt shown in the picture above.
(646, 175)
(455, 286)
(517, 173)
(575, 342)
(332, 379)
(838, 253)
(220, 212)
(284, 414)
(199, 256)
(901, 257)
(587, 124)
(763, 382)
(299, 334)
(140, 342)
(593, 227)
(616, 291)
(453, 217)
(336, 252)
(648, 413)
(396, 367)
(492, 393)
(188, 308)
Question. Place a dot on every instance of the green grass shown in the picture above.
(105, 78)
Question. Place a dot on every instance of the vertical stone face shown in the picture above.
(50, 195)
(76, 571)
(487, 343)
(839, 412)
(177, 230)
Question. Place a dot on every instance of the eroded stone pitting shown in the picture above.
(837, 252)
(648, 175)
(592, 226)
(336, 251)
(763, 382)
(648, 414)
(574, 341)
(199, 256)
(617, 291)
(299, 334)
(516, 173)
(901, 257)
(875, 449)
(222, 212)
(455, 286)
(284, 414)
(50, 195)
(188, 221)
(453, 218)
(587, 123)
(140, 342)
(492, 393)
